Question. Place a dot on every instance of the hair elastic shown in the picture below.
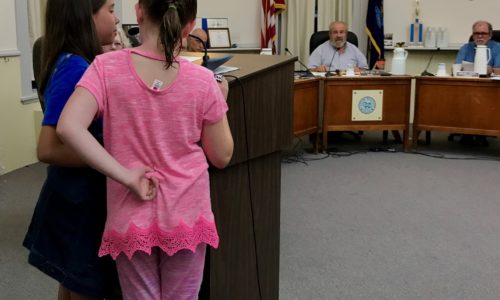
(172, 6)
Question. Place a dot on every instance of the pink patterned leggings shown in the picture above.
(161, 277)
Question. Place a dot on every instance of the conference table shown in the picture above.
(457, 105)
(338, 104)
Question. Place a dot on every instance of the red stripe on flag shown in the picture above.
(268, 20)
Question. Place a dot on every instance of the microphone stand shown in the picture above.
(425, 72)
(301, 63)
(205, 51)
(329, 73)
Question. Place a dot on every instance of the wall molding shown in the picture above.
(10, 53)
(33, 98)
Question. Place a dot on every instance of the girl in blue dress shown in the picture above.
(65, 232)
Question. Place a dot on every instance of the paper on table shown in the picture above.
(467, 66)
(225, 69)
(190, 58)
(319, 74)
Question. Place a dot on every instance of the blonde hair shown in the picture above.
(124, 38)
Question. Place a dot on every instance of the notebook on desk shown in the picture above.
(225, 69)
(303, 74)
(213, 63)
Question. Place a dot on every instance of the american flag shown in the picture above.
(270, 9)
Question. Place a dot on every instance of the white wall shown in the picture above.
(8, 42)
(243, 17)
(17, 120)
(456, 15)
(128, 11)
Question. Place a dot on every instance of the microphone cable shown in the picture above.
(250, 194)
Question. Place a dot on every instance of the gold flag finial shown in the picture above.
(417, 8)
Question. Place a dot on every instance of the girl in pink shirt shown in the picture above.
(163, 117)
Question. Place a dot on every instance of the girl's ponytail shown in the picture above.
(171, 16)
(170, 33)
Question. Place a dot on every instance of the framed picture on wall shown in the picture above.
(219, 37)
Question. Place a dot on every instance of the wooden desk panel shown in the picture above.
(305, 106)
(458, 105)
(306, 109)
(338, 104)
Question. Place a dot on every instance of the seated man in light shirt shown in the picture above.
(337, 53)
(482, 32)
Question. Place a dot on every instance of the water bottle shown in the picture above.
(399, 61)
(430, 38)
(446, 38)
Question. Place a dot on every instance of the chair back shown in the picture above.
(495, 37)
(319, 37)
(37, 64)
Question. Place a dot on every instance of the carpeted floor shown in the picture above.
(355, 224)
(384, 225)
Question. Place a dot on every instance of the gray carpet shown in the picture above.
(372, 225)
(18, 194)
(392, 226)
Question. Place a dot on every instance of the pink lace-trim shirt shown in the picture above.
(160, 128)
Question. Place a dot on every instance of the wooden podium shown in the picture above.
(246, 194)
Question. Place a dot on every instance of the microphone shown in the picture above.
(213, 63)
(425, 72)
(205, 51)
(300, 62)
(134, 37)
(330, 73)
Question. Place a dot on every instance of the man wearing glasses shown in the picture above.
(482, 32)
(481, 35)
(195, 45)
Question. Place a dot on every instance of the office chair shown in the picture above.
(37, 63)
(494, 37)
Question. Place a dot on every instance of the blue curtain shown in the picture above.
(375, 30)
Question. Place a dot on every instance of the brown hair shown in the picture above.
(171, 16)
(69, 27)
